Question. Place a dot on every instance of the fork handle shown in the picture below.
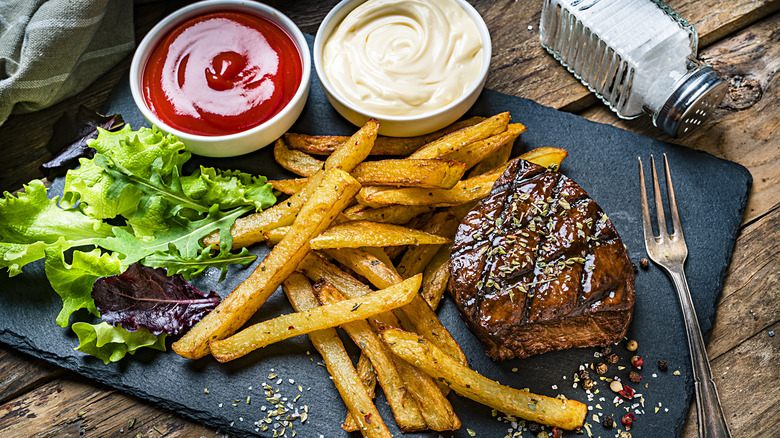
(712, 422)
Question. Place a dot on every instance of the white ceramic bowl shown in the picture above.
(400, 126)
(245, 141)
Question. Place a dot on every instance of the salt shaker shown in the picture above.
(636, 55)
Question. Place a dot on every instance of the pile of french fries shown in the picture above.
(364, 245)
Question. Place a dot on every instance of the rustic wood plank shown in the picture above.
(745, 127)
(71, 407)
(750, 300)
(747, 379)
(20, 373)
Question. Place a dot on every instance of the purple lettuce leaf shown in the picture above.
(147, 297)
(69, 139)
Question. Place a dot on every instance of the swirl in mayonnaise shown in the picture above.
(404, 57)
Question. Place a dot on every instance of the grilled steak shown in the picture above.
(537, 266)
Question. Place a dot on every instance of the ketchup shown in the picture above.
(221, 73)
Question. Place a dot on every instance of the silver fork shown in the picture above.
(669, 251)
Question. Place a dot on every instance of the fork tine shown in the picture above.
(647, 226)
(659, 204)
(676, 225)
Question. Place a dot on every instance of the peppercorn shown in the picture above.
(644, 263)
(624, 434)
(616, 386)
(587, 384)
(556, 433)
(634, 377)
(534, 427)
(632, 345)
(612, 358)
(608, 422)
(583, 375)
(601, 368)
(628, 420)
(627, 392)
(662, 365)
(637, 361)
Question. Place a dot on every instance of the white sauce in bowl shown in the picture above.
(404, 57)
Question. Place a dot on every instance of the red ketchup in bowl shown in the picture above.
(221, 73)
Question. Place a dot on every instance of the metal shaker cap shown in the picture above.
(692, 102)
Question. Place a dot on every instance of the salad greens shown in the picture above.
(129, 203)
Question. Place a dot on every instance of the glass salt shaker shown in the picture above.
(636, 55)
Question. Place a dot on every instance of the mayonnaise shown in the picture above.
(403, 57)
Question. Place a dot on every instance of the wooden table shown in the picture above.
(740, 38)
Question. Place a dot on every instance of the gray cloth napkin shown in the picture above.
(51, 50)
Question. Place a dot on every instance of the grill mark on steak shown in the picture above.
(538, 266)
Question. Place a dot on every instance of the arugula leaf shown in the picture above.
(184, 235)
(30, 222)
(111, 344)
(189, 267)
(73, 283)
(147, 298)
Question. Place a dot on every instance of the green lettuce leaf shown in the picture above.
(73, 282)
(111, 344)
(30, 223)
(228, 188)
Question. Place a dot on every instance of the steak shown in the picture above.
(537, 266)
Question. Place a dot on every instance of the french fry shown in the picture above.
(364, 264)
(436, 276)
(250, 229)
(433, 404)
(407, 414)
(464, 191)
(555, 412)
(296, 162)
(478, 151)
(326, 144)
(329, 199)
(446, 144)
(295, 324)
(367, 376)
(338, 363)
(417, 314)
(274, 236)
(363, 233)
(391, 214)
(442, 174)
(415, 258)
(289, 186)
(492, 161)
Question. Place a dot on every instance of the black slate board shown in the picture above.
(711, 192)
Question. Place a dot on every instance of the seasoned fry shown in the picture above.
(391, 214)
(330, 198)
(296, 162)
(367, 376)
(434, 406)
(364, 264)
(417, 314)
(415, 258)
(326, 144)
(482, 130)
(442, 174)
(294, 324)
(436, 276)
(494, 160)
(250, 229)
(289, 186)
(346, 379)
(404, 407)
(555, 412)
(363, 233)
(464, 191)
(478, 151)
